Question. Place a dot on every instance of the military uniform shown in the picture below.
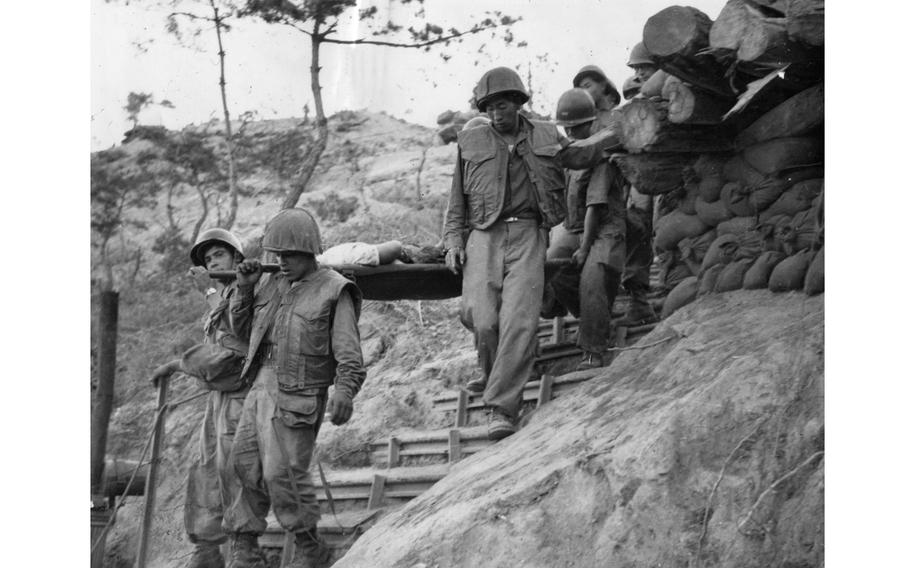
(505, 198)
(212, 481)
(304, 337)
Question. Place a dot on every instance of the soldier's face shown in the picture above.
(643, 72)
(295, 265)
(579, 131)
(218, 257)
(503, 112)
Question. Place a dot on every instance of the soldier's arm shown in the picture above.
(455, 212)
(349, 372)
(587, 153)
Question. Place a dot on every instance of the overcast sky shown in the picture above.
(267, 65)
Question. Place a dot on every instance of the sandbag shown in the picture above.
(692, 250)
(802, 233)
(708, 279)
(731, 277)
(758, 274)
(815, 276)
(682, 294)
(737, 225)
(790, 273)
(712, 214)
(687, 200)
(744, 201)
(710, 165)
(797, 198)
(676, 226)
(721, 251)
(709, 188)
(737, 169)
(781, 153)
(676, 274)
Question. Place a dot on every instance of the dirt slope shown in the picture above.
(621, 472)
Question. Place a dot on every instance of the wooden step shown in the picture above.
(449, 445)
(338, 531)
(371, 487)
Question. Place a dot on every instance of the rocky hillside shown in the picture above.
(704, 449)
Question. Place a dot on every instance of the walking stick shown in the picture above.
(151, 480)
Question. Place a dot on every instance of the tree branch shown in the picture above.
(190, 16)
(441, 39)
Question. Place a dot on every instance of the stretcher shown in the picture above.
(390, 282)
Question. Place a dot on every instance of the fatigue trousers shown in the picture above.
(636, 277)
(502, 290)
(211, 480)
(563, 284)
(272, 461)
(599, 285)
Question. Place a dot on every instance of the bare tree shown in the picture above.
(319, 21)
(220, 13)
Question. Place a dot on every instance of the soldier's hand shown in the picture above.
(342, 407)
(164, 371)
(455, 259)
(248, 272)
(580, 256)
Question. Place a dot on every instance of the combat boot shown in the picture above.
(206, 555)
(245, 552)
(499, 426)
(590, 360)
(310, 550)
(640, 312)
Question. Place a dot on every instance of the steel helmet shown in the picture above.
(476, 121)
(212, 236)
(575, 107)
(640, 55)
(497, 81)
(597, 73)
(631, 87)
(292, 230)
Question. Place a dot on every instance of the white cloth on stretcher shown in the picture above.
(350, 253)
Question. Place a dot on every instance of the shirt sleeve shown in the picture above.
(349, 373)
(599, 185)
(455, 212)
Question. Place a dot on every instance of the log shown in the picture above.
(677, 37)
(691, 105)
(756, 37)
(644, 127)
(654, 174)
(798, 115)
(806, 21)
(779, 154)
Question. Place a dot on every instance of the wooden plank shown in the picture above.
(394, 448)
(377, 490)
(559, 330)
(287, 551)
(454, 445)
(461, 412)
(545, 392)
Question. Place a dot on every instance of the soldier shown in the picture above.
(508, 190)
(636, 279)
(592, 79)
(596, 222)
(642, 63)
(303, 338)
(211, 481)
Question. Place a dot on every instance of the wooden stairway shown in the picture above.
(410, 462)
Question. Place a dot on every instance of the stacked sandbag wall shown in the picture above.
(749, 219)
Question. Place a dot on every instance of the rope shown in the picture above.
(636, 346)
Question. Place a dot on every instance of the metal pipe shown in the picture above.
(151, 480)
